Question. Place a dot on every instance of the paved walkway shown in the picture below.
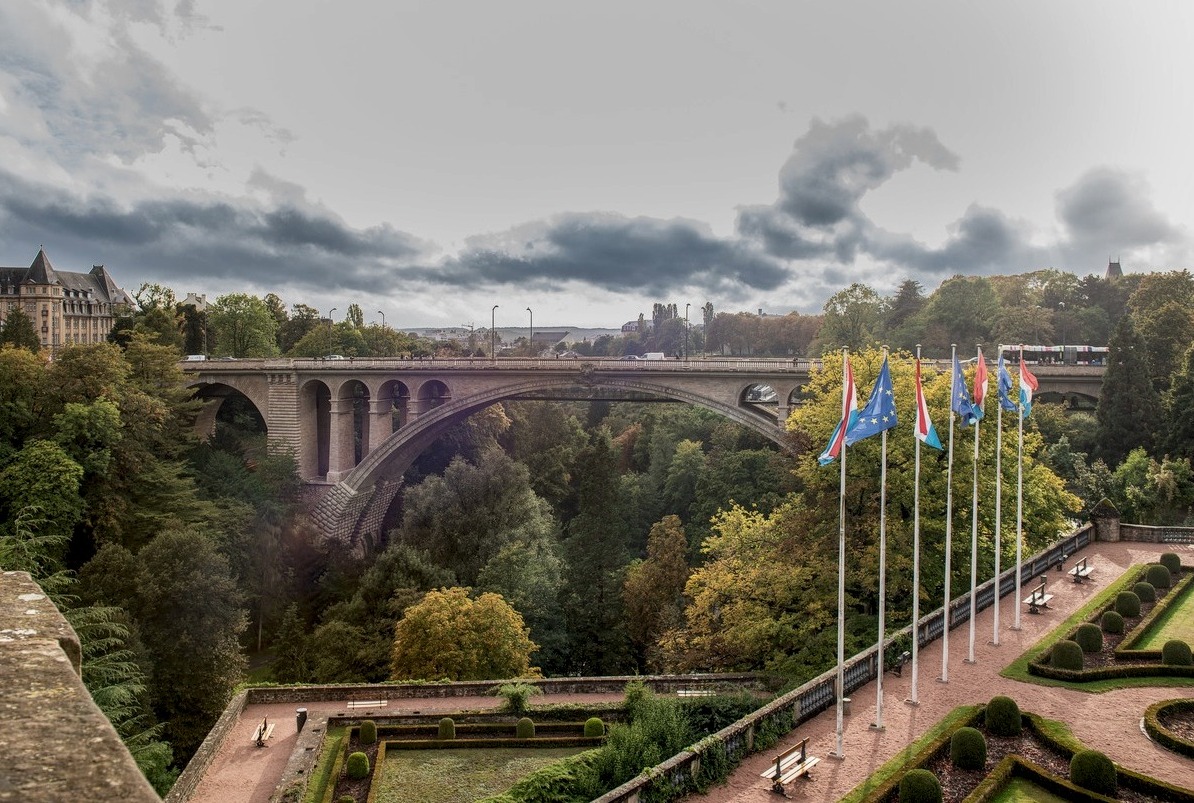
(1109, 722)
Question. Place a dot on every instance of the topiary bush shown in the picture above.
(368, 732)
(1171, 561)
(1066, 655)
(1158, 576)
(1113, 622)
(1092, 770)
(357, 766)
(1003, 716)
(1127, 604)
(346, 799)
(1146, 591)
(968, 749)
(447, 728)
(594, 728)
(525, 729)
(920, 786)
(1089, 637)
(1176, 653)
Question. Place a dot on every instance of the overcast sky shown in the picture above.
(432, 159)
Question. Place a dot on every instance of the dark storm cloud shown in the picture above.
(614, 253)
(185, 238)
(1107, 211)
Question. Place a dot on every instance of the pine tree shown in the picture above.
(18, 330)
(1129, 411)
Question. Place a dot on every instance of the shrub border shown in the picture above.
(1175, 593)
(1162, 735)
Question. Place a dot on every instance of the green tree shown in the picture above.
(960, 311)
(654, 590)
(42, 477)
(1167, 332)
(244, 326)
(355, 317)
(302, 319)
(22, 373)
(18, 331)
(449, 635)
(1129, 411)
(188, 609)
(530, 576)
(1178, 440)
(853, 318)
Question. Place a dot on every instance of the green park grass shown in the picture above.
(1018, 669)
(321, 776)
(1022, 790)
(1176, 623)
(458, 776)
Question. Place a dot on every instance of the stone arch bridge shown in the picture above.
(355, 426)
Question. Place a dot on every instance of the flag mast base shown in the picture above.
(912, 703)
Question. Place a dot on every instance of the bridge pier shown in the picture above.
(381, 422)
(342, 441)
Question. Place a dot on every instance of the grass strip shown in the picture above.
(317, 786)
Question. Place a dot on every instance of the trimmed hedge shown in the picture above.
(1161, 734)
(1003, 717)
(1158, 576)
(447, 729)
(368, 732)
(1112, 622)
(1092, 770)
(1089, 637)
(525, 729)
(1146, 591)
(968, 749)
(1176, 653)
(594, 727)
(920, 786)
(1171, 561)
(1127, 605)
(357, 766)
(1066, 654)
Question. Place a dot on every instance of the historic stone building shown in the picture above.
(65, 307)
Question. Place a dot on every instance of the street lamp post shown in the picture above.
(686, 306)
(531, 342)
(333, 309)
(383, 318)
(493, 333)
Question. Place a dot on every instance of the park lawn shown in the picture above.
(1176, 623)
(458, 776)
(1023, 790)
(332, 744)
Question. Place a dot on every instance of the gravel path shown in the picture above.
(1109, 722)
(243, 773)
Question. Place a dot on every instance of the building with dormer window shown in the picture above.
(64, 307)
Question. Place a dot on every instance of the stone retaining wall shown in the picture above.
(197, 767)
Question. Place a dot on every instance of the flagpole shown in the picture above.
(974, 528)
(841, 575)
(878, 723)
(916, 550)
(998, 493)
(1019, 495)
(949, 519)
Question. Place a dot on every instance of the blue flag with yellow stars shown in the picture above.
(879, 413)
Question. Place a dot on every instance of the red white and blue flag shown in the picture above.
(980, 386)
(925, 432)
(849, 413)
(1028, 386)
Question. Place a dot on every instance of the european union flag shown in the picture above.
(879, 413)
(1005, 386)
(960, 398)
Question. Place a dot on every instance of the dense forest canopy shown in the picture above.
(601, 538)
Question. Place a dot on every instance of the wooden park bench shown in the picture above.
(790, 765)
(695, 693)
(1080, 571)
(264, 730)
(1038, 599)
(897, 665)
(368, 703)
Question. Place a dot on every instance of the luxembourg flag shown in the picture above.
(980, 385)
(1028, 386)
(925, 432)
(849, 413)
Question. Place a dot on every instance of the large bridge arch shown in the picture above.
(342, 510)
(214, 394)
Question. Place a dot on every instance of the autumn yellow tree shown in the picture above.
(449, 635)
(653, 593)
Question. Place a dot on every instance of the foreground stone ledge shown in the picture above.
(56, 745)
